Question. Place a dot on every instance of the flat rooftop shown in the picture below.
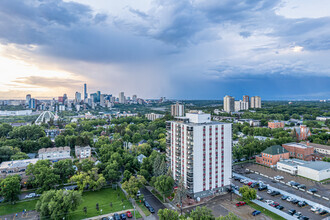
(326, 147)
(292, 162)
(317, 165)
(299, 145)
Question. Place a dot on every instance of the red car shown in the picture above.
(249, 183)
(240, 203)
(274, 204)
(129, 214)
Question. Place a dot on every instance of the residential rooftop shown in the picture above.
(275, 149)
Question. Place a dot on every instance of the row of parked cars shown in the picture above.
(301, 186)
(254, 213)
(116, 216)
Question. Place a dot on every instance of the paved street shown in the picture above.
(153, 201)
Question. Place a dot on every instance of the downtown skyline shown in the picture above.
(181, 50)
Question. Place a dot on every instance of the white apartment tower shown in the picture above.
(255, 102)
(177, 110)
(241, 105)
(200, 152)
(228, 103)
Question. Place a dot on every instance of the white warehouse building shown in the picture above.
(200, 152)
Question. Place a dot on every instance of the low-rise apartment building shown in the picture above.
(55, 153)
(83, 152)
(320, 148)
(276, 124)
(272, 155)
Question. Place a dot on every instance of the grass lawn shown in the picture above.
(18, 207)
(265, 211)
(103, 197)
(144, 209)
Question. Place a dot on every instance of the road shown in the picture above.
(153, 201)
(287, 205)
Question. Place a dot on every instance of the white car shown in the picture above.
(269, 202)
(278, 177)
(246, 181)
(269, 191)
(242, 180)
(314, 208)
(289, 199)
(31, 195)
(138, 194)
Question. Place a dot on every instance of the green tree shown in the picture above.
(168, 214)
(42, 176)
(6, 152)
(57, 204)
(45, 142)
(64, 168)
(89, 180)
(5, 129)
(85, 165)
(133, 185)
(60, 141)
(248, 193)
(126, 175)
(181, 193)
(33, 132)
(164, 184)
(111, 172)
(136, 138)
(11, 188)
(19, 156)
(201, 213)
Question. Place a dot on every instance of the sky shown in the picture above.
(187, 49)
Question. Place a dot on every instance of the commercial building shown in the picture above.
(315, 170)
(302, 132)
(122, 98)
(83, 152)
(275, 124)
(255, 102)
(177, 110)
(85, 92)
(272, 155)
(16, 113)
(55, 153)
(77, 97)
(241, 106)
(228, 104)
(320, 148)
(153, 116)
(199, 151)
(27, 99)
(298, 150)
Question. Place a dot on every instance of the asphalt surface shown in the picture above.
(287, 205)
(153, 201)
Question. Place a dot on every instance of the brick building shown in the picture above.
(299, 151)
(272, 155)
(276, 124)
(302, 132)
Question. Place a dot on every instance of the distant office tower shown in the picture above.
(98, 96)
(255, 102)
(60, 99)
(177, 110)
(85, 91)
(246, 98)
(93, 96)
(134, 98)
(241, 105)
(33, 103)
(200, 152)
(28, 98)
(228, 103)
(65, 99)
(102, 100)
(122, 98)
(77, 97)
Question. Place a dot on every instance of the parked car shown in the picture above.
(268, 202)
(254, 184)
(323, 212)
(262, 187)
(250, 183)
(303, 217)
(302, 203)
(259, 198)
(123, 216)
(293, 183)
(274, 204)
(31, 195)
(295, 201)
(255, 212)
(151, 210)
(129, 214)
(312, 190)
(289, 199)
(246, 182)
(237, 178)
(138, 194)
(302, 186)
(314, 208)
(278, 177)
(269, 191)
(116, 216)
(146, 204)
(284, 197)
(111, 218)
(242, 180)
(297, 214)
(240, 203)
(292, 211)
(280, 207)
(275, 193)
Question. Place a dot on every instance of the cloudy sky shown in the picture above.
(186, 49)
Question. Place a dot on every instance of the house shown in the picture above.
(83, 152)
(142, 142)
(272, 155)
(140, 158)
(302, 132)
(299, 150)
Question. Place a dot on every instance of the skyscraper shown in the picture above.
(255, 102)
(241, 105)
(85, 91)
(200, 151)
(246, 98)
(177, 110)
(77, 97)
(228, 104)
(98, 96)
(122, 98)
(27, 100)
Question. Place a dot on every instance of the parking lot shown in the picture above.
(323, 190)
